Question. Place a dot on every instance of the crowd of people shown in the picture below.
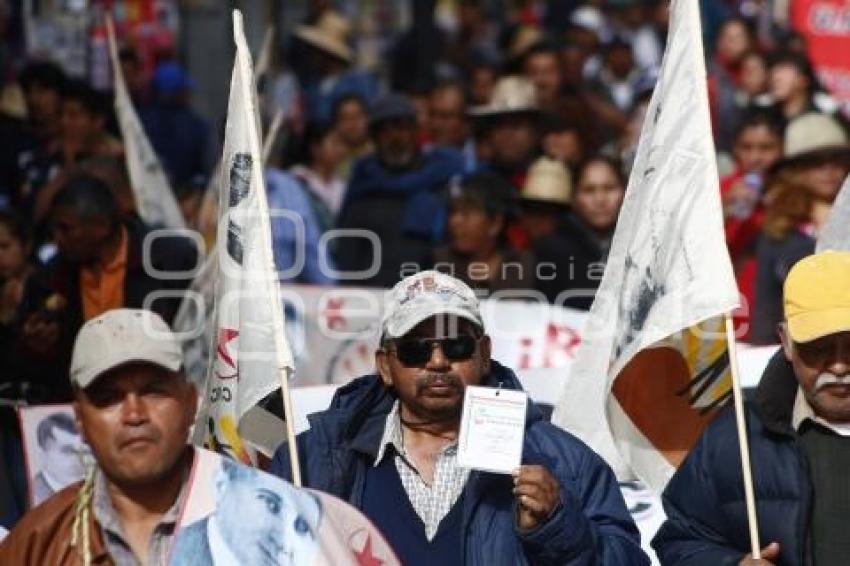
(496, 152)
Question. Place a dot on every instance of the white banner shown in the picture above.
(333, 333)
(155, 200)
(655, 360)
(238, 516)
(251, 356)
(836, 233)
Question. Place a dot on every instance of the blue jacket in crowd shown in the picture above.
(704, 502)
(297, 254)
(591, 526)
(404, 211)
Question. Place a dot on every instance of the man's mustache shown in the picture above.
(447, 379)
(828, 378)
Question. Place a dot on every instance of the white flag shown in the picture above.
(155, 200)
(836, 233)
(654, 358)
(250, 350)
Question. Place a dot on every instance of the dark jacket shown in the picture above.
(704, 502)
(775, 258)
(591, 526)
(405, 210)
(572, 260)
(181, 139)
(170, 254)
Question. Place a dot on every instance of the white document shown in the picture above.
(492, 429)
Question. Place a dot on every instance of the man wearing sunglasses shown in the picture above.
(388, 445)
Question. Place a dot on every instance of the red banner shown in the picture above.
(826, 26)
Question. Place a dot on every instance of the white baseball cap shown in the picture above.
(426, 294)
(122, 336)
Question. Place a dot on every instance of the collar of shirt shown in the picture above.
(803, 410)
(110, 523)
(394, 436)
(219, 549)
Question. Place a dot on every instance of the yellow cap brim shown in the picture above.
(811, 325)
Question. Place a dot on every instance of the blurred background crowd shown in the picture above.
(491, 139)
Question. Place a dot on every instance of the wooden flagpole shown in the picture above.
(743, 442)
(271, 135)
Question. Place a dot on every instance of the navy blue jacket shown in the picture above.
(704, 502)
(591, 526)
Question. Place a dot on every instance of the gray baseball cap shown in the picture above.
(426, 294)
(119, 337)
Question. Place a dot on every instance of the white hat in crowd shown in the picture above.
(814, 133)
(511, 95)
(119, 337)
(548, 182)
(426, 294)
(330, 34)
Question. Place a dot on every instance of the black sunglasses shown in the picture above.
(416, 352)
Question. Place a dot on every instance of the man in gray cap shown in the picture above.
(399, 182)
(388, 445)
(134, 407)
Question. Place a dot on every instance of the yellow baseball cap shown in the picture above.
(817, 296)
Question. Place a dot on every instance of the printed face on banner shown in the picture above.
(236, 514)
(247, 517)
(55, 454)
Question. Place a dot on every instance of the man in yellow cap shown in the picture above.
(799, 433)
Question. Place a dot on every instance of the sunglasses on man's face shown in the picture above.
(417, 351)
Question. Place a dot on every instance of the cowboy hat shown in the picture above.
(511, 95)
(548, 182)
(328, 35)
(811, 136)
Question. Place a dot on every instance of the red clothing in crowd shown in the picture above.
(741, 238)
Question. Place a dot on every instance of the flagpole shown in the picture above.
(271, 135)
(265, 56)
(746, 467)
(277, 321)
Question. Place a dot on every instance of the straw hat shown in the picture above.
(523, 40)
(548, 182)
(511, 95)
(812, 135)
(330, 34)
(12, 101)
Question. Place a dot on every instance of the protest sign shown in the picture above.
(54, 452)
(825, 25)
(237, 515)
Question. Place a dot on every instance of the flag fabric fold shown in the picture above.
(155, 201)
(249, 349)
(654, 362)
(836, 233)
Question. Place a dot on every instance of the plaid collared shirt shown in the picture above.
(431, 502)
(113, 534)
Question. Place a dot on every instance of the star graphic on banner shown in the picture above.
(225, 335)
(365, 556)
(334, 313)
